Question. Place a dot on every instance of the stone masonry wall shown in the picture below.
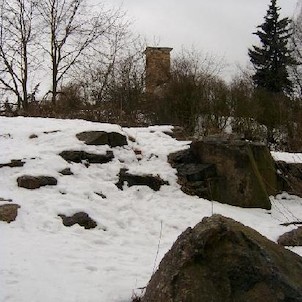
(157, 67)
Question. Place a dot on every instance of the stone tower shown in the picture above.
(157, 67)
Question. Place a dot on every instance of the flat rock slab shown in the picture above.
(221, 260)
(80, 218)
(292, 238)
(9, 212)
(113, 139)
(13, 163)
(153, 182)
(35, 182)
(82, 156)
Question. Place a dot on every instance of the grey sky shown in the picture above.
(220, 27)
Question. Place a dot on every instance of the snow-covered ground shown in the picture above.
(42, 260)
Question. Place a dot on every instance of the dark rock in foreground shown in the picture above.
(113, 139)
(221, 260)
(35, 182)
(9, 212)
(82, 156)
(81, 218)
(153, 182)
(292, 238)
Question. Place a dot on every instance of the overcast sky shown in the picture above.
(219, 27)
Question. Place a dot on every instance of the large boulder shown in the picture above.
(113, 139)
(246, 170)
(221, 260)
(9, 212)
(35, 182)
(235, 172)
(153, 182)
(83, 156)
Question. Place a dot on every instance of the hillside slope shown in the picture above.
(42, 260)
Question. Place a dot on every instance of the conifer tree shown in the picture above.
(272, 58)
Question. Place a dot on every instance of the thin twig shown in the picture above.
(158, 246)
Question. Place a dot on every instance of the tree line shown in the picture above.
(96, 69)
(51, 39)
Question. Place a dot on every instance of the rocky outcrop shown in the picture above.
(292, 238)
(9, 212)
(113, 139)
(193, 176)
(153, 182)
(221, 260)
(290, 177)
(13, 163)
(35, 182)
(82, 156)
(80, 218)
(235, 172)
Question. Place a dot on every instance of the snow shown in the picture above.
(288, 157)
(42, 260)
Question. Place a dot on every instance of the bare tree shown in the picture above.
(296, 43)
(73, 33)
(17, 36)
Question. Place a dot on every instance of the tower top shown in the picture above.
(157, 49)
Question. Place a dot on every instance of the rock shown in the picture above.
(235, 172)
(113, 139)
(292, 238)
(82, 156)
(33, 136)
(290, 177)
(66, 171)
(246, 171)
(189, 172)
(52, 131)
(101, 195)
(81, 218)
(5, 199)
(13, 163)
(153, 182)
(178, 133)
(35, 182)
(9, 212)
(221, 260)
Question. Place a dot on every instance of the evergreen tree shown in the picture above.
(272, 58)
